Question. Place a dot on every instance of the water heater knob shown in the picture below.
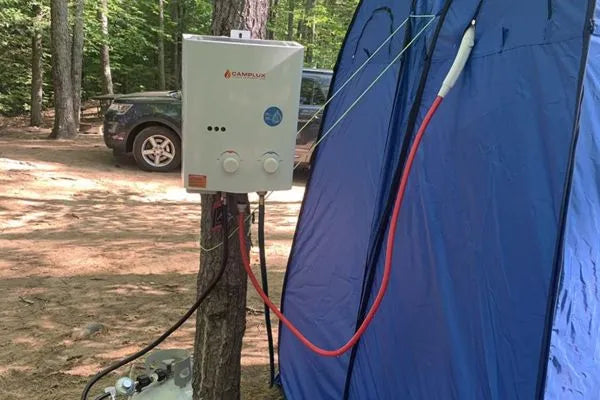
(231, 162)
(271, 164)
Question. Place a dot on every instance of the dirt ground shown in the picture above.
(88, 239)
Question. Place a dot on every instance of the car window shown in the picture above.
(321, 90)
(306, 91)
(314, 90)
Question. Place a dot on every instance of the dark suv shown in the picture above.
(148, 124)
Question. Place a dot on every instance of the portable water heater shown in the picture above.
(240, 113)
(240, 106)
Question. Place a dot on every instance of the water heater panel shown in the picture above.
(240, 111)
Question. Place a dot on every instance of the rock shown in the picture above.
(88, 331)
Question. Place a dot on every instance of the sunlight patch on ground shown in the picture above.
(84, 370)
(171, 194)
(294, 195)
(6, 369)
(8, 164)
(119, 353)
(28, 341)
(87, 239)
(22, 220)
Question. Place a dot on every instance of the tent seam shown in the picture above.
(371, 266)
(313, 160)
(558, 263)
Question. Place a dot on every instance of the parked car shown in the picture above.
(148, 124)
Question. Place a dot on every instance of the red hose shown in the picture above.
(388, 256)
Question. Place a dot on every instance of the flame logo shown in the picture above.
(227, 74)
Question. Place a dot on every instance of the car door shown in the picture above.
(313, 95)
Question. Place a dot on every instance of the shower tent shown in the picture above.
(494, 286)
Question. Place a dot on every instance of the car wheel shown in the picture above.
(157, 148)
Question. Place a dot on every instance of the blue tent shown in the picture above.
(494, 292)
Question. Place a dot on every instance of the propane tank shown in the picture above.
(165, 391)
(168, 377)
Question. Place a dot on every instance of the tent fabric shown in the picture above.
(500, 214)
(574, 360)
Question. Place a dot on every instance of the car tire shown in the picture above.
(157, 149)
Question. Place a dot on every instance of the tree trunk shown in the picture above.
(174, 11)
(290, 21)
(104, 50)
(161, 45)
(176, 64)
(307, 29)
(77, 60)
(313, 38)
(221, 319)
(64, 121)
(249, 15)
(176, 67)
(272, 18)
(178, 16)
(37, 69)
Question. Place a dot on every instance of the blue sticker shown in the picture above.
(273, 116)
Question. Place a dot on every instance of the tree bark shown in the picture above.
(313, 38)
(178, 16)
(77, 60)
(307, 30)
(161, 45)
(37, 70)
(290, 21)
(176, 62)
(272, 17)
(249, 15)
(104, 50)
(221, 319)
(64, 121)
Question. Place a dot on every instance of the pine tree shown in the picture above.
(221, 320)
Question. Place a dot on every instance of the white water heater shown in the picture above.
(240, 112)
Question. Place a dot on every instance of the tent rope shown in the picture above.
(360, 68)
(336, 93)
